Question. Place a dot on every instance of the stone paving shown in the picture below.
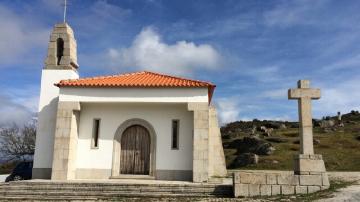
(350, 193)
(134, 181)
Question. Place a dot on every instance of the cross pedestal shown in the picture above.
(306, 162)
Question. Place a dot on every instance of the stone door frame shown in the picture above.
(115, 171)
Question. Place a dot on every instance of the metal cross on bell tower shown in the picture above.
(65, 5)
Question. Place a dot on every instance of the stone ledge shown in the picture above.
(270, 184)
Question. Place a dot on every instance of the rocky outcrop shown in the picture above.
(245, 159)
(327, 123)
(252, 145)
(266, 131)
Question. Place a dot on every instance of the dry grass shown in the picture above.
(340, 149)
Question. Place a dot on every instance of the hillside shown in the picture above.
(246, 146)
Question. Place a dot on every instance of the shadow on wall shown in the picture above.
(44, 144)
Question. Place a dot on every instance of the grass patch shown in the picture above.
(339, 148)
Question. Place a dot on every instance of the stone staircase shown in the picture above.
(92, 191)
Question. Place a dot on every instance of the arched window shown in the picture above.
(60, 49)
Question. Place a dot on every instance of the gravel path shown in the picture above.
(348, 194)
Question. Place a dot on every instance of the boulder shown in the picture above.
(272, 124)
(226, 136)
(266, 131)
(257, 146)
(251, 144)
(253, 130)
(264, 149)
(262, 128)
(327, 123)
(274, 162)
(245, 159)
(282, 126)
(316, 123)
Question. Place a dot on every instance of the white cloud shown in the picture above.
(290, 13)
(344, 63)
(18, 106)
(149, 52)
(265, 74)
(276, 94)
(228, 110)
(19, 36)
(106, 10)
(343, 97)
(12, 112)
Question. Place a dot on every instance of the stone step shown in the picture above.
(37, 198)
(32, 190)
(118, 186)
(90, 192)
(115, 185)
(100, 194)
(142, 189)
(109, 184)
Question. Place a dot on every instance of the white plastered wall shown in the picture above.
(112, 115)
(48, 103)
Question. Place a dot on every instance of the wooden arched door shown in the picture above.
(135, 151)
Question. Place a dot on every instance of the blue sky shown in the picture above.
(252, 50)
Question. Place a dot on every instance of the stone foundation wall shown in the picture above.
(200, 141)
(270, 184)
(217, 165)
(65, 143)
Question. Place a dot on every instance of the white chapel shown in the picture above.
(133, 125)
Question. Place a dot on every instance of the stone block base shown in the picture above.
(308, 164)
(177, 175)
(41, 173)
(270, 184)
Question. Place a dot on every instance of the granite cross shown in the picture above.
(304, 94)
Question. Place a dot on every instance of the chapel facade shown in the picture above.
(133, 125)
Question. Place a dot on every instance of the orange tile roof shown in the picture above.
(142, 79)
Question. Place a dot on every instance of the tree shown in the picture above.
(17, 143)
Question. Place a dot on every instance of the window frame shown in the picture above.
(95, 137)
(177, 134)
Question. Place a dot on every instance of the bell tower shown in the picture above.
(60, 64)
(62, 52)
